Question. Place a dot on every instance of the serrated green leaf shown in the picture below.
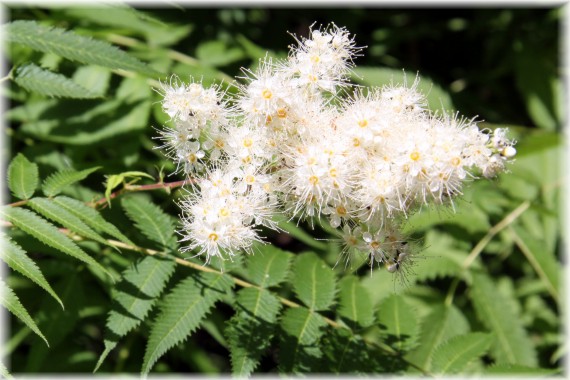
(542, 260)
(355, 303)
(134, 297)
(72, 46)
(455, 353)
(299, 349)
(250, 331)
(511, 344)
(182, 312)
(56, 324)
(95, 78)
(4, 372)
(518, 369)
(399, 323)
(115, 180)
(91, 217)
(348, 353)
(151, 221)
(61, 179)
(22, 177)
(269, 266)
(10, 301)
(15, 257)
(442, 323)
(45, 82)
(46, 233)
(313, 281)
(51, 210)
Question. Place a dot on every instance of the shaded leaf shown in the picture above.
(355, 303)
(45, 82)
(134, 297)
(511, 343)
(250, 331)
(299, 348)
(518, 369)
(541, 259)
(72, 46)
(443, 323)
(15, 257)
(399, 323)
(453, 355)
(181, 313)
(22, 177)
(10, 301)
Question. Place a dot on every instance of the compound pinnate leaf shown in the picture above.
(454, 354)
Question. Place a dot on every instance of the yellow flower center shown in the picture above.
(267, 94)
(249, 179)
(281, 113)
(341, 210)
(313, 180)
(224, 212)
(455, 161)
(192, 157)
(315, 59)
(247, 142)
(414, 156)
(363, 123)
(213, 236)
(333, 172)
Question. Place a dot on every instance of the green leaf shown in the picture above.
(541, 259)
(72, 46)
(355, 303)
(117, 179)
(95, 78)
(216, 53)
(46, 233)
(299, 349)
(134, 297)
(182, 311)
(51, 210)
(348, 353)
(22, 177)
(537, 81)
(15, 257)
(256, 311)
(11, 302)
(399, 323)
(59, 180)
(269, 266)
(517, 369)
(299, 233)
(151, 221)
(436, 96)
(4, 372)
(313, 281)
(453, 355)
(91, 217)
(443, 323)
(45, 82)
(511, 343)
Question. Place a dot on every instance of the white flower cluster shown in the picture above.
(289, 142)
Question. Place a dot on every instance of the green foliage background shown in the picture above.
(486, 299)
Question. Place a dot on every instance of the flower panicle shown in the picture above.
(289, 143)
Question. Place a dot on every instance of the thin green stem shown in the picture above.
(476, 251)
